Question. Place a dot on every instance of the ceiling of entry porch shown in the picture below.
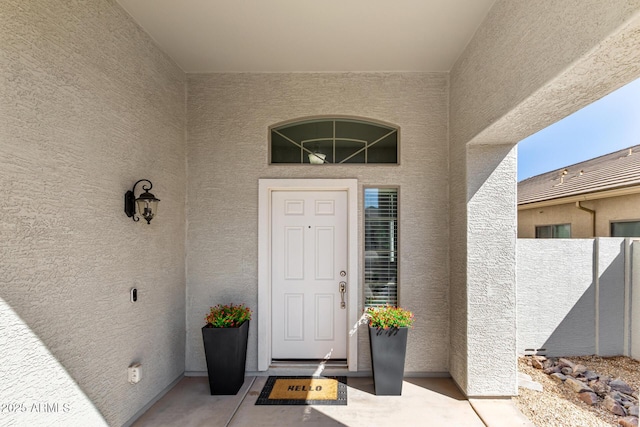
(310, 35)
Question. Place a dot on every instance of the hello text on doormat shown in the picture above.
(304, 391)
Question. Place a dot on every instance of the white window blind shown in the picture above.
(381, 246)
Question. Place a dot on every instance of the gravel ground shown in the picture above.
(558, 406)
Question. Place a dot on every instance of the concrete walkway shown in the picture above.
(424, 402)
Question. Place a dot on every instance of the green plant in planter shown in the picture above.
(227, 316)
(388, 317)
(225, 347)
(388, 330)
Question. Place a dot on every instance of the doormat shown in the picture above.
(304, 391)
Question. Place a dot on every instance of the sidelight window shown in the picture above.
(381, 246)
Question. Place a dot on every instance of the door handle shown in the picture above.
(343, 290)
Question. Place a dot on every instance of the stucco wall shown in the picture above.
(635, 301)
(491, 283)
(89, 106)
(228, 118)
(610, 286)
(528, 66)
(556, 296)
(612, 209)
(571, 296)
(580, 220)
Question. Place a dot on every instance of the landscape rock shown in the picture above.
(621, 386)
(576, 385)
(628, 422)
(567, 363)
(616, 396)
(552, 370)
(539, 358)
(622, 398)
(600, 388)
(589, 398)
(590, 375)
(579, 369)
(613, 406)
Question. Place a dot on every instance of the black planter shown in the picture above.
(388, 351)
(226, 353)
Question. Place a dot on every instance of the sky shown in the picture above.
(609, 124)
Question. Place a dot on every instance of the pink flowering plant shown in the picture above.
(227, 316)
(389, 317)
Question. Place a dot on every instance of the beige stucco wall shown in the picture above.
(528, 66)
(88, 106)
(228, 118)
(612, 209)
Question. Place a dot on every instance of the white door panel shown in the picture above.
(309, 249)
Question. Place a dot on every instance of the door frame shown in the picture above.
(266, 187)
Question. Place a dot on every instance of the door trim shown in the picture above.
(266, 187)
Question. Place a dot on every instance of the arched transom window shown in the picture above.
(334, 141)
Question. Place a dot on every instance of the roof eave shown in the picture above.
(615, 192)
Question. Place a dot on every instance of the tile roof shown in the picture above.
(614, 170)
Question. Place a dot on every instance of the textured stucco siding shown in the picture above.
(458, 264)
(611, 295)
(528, 66)
(531, 64)
(228, 120)
(89, 106)
(635, 301)
(556, 296)
(571, 296)
(581, 223)
(491, 283)
(612, 209)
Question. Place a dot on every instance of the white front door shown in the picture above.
(309, 267)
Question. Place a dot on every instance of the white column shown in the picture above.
(491, 270)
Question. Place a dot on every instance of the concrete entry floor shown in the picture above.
(424, 402)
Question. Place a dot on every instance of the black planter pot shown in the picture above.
(226, 353)
(388, 351)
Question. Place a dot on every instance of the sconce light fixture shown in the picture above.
(146, 202)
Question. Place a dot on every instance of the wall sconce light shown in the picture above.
(147, 202)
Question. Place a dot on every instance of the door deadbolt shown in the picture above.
(343, 273)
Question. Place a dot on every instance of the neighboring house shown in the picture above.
(596, 198)
(90, 104)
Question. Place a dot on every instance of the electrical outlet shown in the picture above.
(135, 373)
